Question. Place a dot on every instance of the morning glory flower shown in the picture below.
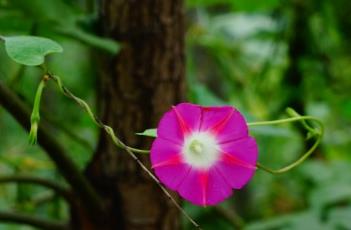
(203, 153)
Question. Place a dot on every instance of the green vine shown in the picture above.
(313, 132)
(131, 151)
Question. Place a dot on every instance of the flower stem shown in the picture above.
(86, 194)
(35, 117)
(131, 151)
(314, 132)
(141, 151)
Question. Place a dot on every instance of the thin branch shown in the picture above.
(80, 185)
(64, 192)
(37, 222)
(131, 151)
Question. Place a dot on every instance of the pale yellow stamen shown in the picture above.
(196, 147)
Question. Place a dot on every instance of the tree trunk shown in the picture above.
(137, 87)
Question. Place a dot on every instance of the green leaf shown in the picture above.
(149, 133)
(255, 5)
(54, 11)
(318, 172)
(101, 43)
(303, 220)
(204, 3)
(30, 50)
(13, 22)
(200, 94)
(330, 194)
(340, 217)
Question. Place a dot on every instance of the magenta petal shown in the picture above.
(191, 188)
(211, 116)
(181, 122)
(235, 128)
(163, 150)
(173, 175)
(204, 187)
(174, 160)
(226, 122)
(218, 189)
(238, 175)
(168, 128)
(245, 149)
(180, 119)
(229, 159)
(190, 114)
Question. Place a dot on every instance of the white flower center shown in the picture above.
(200, 150)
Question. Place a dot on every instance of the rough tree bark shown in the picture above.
(137, 87)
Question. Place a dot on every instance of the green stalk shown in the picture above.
(35, 117)
(318, 133)
(131, 151)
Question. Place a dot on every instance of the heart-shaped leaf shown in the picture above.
(30, 50)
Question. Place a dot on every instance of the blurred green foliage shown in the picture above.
(238, 53)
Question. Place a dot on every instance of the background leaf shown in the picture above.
(101, 43)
